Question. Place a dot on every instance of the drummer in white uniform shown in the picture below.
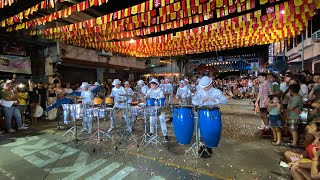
(156, 93)
(183, 94)
(86, 96)
(207, 95)
(168, 91)
(118, 93)
(143, 88)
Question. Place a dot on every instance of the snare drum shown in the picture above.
(66, 113)
(183, 123)
(99, 113)
(210, 125)
(79, 110)
(150, 102)
(136, 111)
(97, 101)
(152, 111)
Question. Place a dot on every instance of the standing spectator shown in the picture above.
(43, 95)
(293, 110)
(275, 88)
(23, 98)
(34, 101)
(52, 98)
(56, 79)
(59, 91)
(275, 122)
(68, 90)
(262, 100)
(9, 106)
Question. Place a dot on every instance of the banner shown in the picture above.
(15, 64)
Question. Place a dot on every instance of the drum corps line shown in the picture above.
(198, 110)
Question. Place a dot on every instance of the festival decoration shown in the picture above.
(274, 22)
(26, 13)
(4, 3)
(247, 30)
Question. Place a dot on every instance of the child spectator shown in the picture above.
(293, 111)
(275, 122)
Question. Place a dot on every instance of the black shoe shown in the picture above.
(209, 150)
(201, 149)
(166, 139)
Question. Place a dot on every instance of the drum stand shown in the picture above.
(96, 135)
(128, 124)
(73, 129)
(198, 144)
(146, 138)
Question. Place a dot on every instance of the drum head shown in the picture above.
(208, 108)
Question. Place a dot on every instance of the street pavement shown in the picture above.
(44, 153)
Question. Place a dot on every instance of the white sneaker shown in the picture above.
(261, 127)
(22, 128)
(90, 131)
(110, 129)
(11, 131)
(83, 130)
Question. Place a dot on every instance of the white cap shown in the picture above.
(205, 81)
(140, 82)
(154, 80)
(84, 84)
(9, 81)
(181, 81)
(127, 82)
(115, 82)
(96, 84)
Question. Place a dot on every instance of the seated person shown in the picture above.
(301, 164)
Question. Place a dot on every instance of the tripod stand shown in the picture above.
(196, 146)
(146, 138)
(74, 129)
(128, 121)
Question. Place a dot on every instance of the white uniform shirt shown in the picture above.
(213, 93)
(155, 94)
(168, 88)
(144, 89)
(86, 97)
(183, 92)
(115, 94)
(130, 95)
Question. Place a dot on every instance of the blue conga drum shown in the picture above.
(150, 102)
(183, 123)
(210, 125)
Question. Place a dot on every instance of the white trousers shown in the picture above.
(163, 124)
(125, 116)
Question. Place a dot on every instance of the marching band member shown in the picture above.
(118, 93)
(208, 95)
(129, 91)
(143, 88)
(155, 92)
(183, 92)
(86, 96)
(168, 90)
